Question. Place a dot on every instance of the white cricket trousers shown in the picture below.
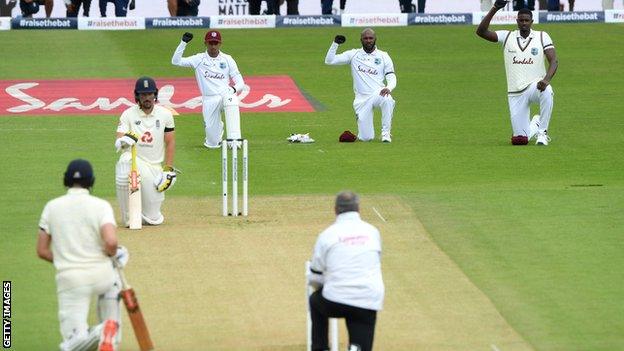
(151, 199)
(364, 105)
(213, 126)
(519, 108)
(74, 303)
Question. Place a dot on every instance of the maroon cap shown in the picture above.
(213, 36)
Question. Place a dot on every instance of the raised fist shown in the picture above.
(186, 37)
(339, 39)
(499, 4)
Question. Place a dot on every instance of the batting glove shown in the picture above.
(339, 39)
(126, 140)
(122, 256)
(166, 179)
(186, 37)
(499, 4)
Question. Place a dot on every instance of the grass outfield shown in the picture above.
(541, 248)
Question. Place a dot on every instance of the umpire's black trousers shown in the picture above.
(360, 322)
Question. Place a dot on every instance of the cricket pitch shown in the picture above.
(206, 282)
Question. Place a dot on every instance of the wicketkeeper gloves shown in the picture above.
(166, 179)
(339, 39)
(186, 37)
(126, 140)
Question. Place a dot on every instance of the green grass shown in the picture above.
(546, 251)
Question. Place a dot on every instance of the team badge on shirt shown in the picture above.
(138, 123)
(222, 65)
(377, 61)
(534, 51)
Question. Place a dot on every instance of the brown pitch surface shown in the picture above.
(206, 282)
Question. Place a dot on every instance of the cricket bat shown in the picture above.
(134, 312)
(134, 203)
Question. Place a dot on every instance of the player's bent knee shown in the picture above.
(151, 221)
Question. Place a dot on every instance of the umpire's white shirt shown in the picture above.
(74, 221)
(368, 70)
(349, 255)
(213, 74)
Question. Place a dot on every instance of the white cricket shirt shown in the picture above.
(213, 74)
(74, 221)
(348, 253)
(151, 131)
(368, 70)
(524, 57)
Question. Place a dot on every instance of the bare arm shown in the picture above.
(43, 246)
(483, 28)
(553, 63)
(173, 7)
(169, 147)
(109, 236)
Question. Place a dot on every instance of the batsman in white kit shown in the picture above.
(373, 81)
(525, 52)
(146, 140)
(214, 70)
(77, 234)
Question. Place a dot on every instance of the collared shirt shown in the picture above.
(348, 253)
(74, 221)
(151, 131)
(369, 70)
(524, 57)
(213, 74)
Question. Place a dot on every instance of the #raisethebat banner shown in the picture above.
(158, 8)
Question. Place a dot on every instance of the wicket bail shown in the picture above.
(235, 143)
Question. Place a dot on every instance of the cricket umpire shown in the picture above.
(77, 234)
(346, 267)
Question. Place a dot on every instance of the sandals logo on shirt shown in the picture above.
(222, 65)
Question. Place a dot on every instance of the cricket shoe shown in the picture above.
(386, 137)
(542, 138)
(533, 126)
(107, 339)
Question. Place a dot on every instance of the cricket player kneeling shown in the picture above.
(150, 129)
(81, 244)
